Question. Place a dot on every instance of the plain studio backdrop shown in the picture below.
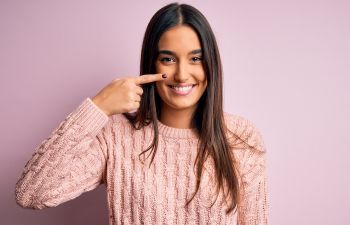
(286, 68)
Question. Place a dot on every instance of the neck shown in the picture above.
(176, 118)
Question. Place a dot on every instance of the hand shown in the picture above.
(124, 94)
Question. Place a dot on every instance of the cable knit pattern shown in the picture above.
(89, 148)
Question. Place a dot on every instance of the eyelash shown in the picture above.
(163, 59)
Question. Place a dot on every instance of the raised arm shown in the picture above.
(69, 162)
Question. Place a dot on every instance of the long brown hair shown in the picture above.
(208, 118)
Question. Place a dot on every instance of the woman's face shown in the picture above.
(181, 59)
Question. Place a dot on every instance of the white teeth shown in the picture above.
(182, 89)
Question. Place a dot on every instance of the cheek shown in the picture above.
(205, 83)
(201, 77)
(159, 66)
(164, 69)
(157, 87)
(199, 73)
(160, 87)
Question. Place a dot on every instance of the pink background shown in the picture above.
(286, 66)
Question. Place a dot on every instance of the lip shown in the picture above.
(182, 93)
(181, 85)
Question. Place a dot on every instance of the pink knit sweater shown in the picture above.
(89, 148)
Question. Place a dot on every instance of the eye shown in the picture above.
(195, 59)
(166, 59)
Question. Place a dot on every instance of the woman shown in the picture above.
(160, 142)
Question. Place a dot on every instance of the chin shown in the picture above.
(180, 105)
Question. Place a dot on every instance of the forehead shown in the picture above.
(179, 39)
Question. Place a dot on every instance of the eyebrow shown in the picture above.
(168, 52)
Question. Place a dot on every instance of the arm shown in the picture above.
(69, 162)
(255, 203)
(254, 207)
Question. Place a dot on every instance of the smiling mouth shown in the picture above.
(183, 89)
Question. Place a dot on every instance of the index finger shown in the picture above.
(148, 78)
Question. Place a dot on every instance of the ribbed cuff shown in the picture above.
(90, 116)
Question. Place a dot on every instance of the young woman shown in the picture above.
(160, 142)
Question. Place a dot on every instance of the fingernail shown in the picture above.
(164, 75)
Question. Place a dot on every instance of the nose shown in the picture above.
(181, 74)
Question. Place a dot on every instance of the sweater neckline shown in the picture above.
(173, 132)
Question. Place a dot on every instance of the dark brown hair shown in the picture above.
(208, 118)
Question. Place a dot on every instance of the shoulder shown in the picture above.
(251, 160)
(245, 129)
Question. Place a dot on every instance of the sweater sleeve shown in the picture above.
(70, 161)
(253, 208)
